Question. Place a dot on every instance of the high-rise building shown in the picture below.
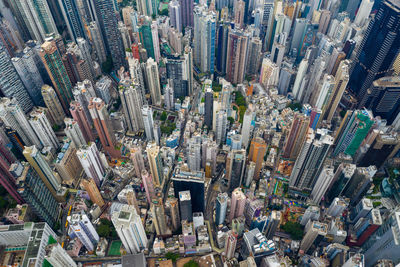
(190, 181)
(274, 219)
(153, 81)
(223, 30)
(57, 256)
(208, 109)
(238, 200)
(384, 243)
(93, 192)
(7, 180)
(353, 129)
(310, 160)
(380, 45)
(137, 160)
(185, 204)
(147, 114)
(341, 80)
(158, 213)
(172, 204)
(107, 18)
(38, 162)
(235, 165)
(154, 158)
(221, 121)
(175, 15)
(269, 73)
(34, 237)
(342, 176)
(363, 12)
(67, 163)
(83, 118)
(246, 126)
(221, 205)
(13, 116)
(35, 193)
(311, 213)
(129, 227)
(359, 183)
(132, 105)
(384, 100)
(43, 128)
(83, 228)
(301, 73)
(236, 55)
(321, 185)
(10, 83)
(145, 35)
(28, 65)
(97, 41)
(253, 58)
(55, 109)
(230, 244)
(74, 133)
(57, 72)
(72, 19)
(204, 38)
(258, 148)
(156, 41)
(313, 229)
(37, 18)
(91, 161)
(102, 123)
(187, 12)
(296, 137)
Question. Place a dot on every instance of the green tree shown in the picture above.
(191, 263)
(163, 116)
(107, 65)
(294, 229)
(231, 120)
(342, 113)
(164, 12)
(295, 106)
(104, 230)
(172, 256)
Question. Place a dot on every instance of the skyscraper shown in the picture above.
(353, 129)
(28, 65)
(309, 162)
(221, 121)
(91, 161)
(235, 165)
(175, 15)
(209, 102)
(57, 72)
(221, 205)
(204, 38)
(83, 119)
(83, 228)
(341, 80)
(154, 158)
(53, 105)
(132, 105)
(10, 83)
(129, 227)
(93, 192)
(258, 148)
(102, 123)
(13, 117)
(187, 12)
(321, 185)
(378, 49)
(147, 114)
(230, 244)
(38, 162)
(43, 128)
(35, 193)
(97, 41)
(7, 180)
(72, 18)
(153, 81)
(236, 56)
(253, 59)
(145, 35)
(238, 201)
(158, 213)
(312, 230)
(37, 18)
(296, 136)
(107, 19)
(57, 256)
(185, 204)
(384, 243)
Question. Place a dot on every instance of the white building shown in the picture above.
(57, 256)
(92, 163)
(74, 133)
(43, 129)
(153, 81)
(130, 229)
(147, 114)
(84, 230)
